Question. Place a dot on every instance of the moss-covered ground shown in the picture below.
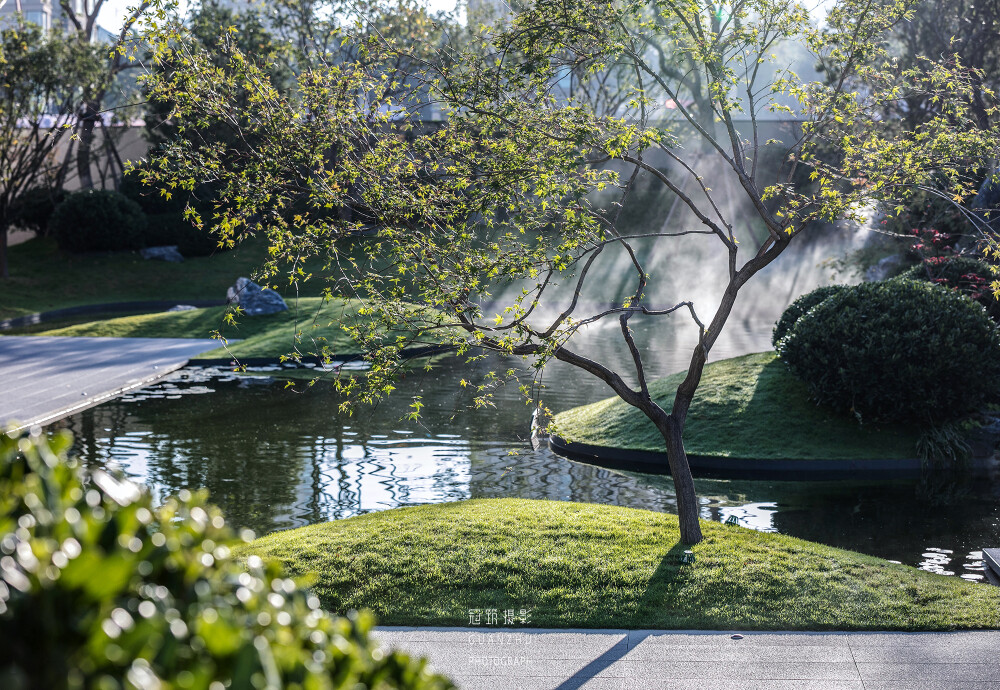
(593, 566)
(745, 407)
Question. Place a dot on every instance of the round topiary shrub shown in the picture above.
(100, 588)
(97, 220)
(896, 350)
(799, 307)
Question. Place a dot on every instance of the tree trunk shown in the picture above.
(88, 121)
(680, 470)
(4, 272)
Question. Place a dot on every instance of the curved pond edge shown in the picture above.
(106, 308)
(406, 353)
(749, 468)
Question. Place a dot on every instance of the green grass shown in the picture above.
(43, 278)
(592, 566)
(308, 324)
(745, 407)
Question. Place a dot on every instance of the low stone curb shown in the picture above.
(408, 353)
(740, 468)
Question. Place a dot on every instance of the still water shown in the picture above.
(275, 459)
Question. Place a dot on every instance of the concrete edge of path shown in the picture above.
(694, 632)
(94, 400)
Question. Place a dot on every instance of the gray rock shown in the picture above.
(253, 299)
(182, 307)
(888, 267)
(167, 253)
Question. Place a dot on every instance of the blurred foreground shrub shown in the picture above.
(99, 589)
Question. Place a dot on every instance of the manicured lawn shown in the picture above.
(43, 278)
(307, 325)
(585, 565)
(745, 407)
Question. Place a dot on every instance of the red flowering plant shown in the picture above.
(943, 264)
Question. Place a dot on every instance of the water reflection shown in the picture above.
(275, 459)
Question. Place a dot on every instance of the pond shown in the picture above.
(275, 458)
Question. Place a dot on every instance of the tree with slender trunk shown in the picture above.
(484, 232)
(39, 94)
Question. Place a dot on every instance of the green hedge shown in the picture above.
(896, 350)
(165, 221)
(98, 220)
(799, 307)
(100, 589)
(33, 210)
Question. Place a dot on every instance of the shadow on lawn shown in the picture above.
(665, 581)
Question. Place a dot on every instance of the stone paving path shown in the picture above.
(45, 378)
(521, 659)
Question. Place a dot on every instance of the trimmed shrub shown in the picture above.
(799, 307)
(150, 200)
(896, 350)
(98, 220)
(33, 209)
(100, 589)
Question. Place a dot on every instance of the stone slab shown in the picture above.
(532, 659)
(45, 378)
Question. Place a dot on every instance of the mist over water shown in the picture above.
(689, 268)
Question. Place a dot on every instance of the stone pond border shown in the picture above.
(744, 468)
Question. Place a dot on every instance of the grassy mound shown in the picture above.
(585, 565)
(307, 325)
(745, 407)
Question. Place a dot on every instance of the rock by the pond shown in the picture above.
(885, 268)
(166, 253)
(182, 307)
(253, 299)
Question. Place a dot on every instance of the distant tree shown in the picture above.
(81, 26)
(487, 223)
(245, 30)
(945, 31)
(40, 92)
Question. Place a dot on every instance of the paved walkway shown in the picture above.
(44, 378)
(523, 659)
